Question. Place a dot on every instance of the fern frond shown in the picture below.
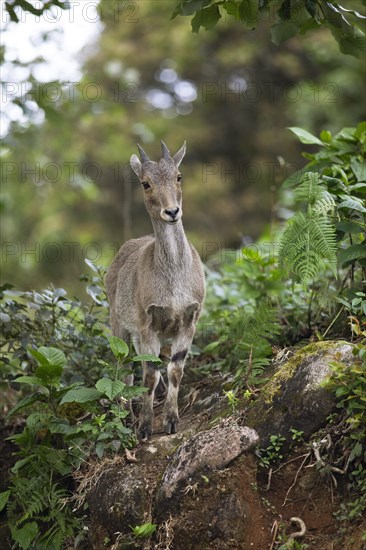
(310, 189)
(306, 243)
(263, 324)
(54, 536)
(37, 502)
(323, 237)
(324, 204)
(256, 366)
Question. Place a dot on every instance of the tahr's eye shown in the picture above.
(145, 185)
(179, 178)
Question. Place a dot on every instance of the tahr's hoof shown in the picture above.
(144, 432)
(171, 425)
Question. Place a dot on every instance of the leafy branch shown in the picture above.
(291, 17)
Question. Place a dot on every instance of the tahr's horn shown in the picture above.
(143, 155)
(164, 150)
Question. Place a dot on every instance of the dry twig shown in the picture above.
(295, 480)
(274, 531)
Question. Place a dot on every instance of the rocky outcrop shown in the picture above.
(200, 486)
(296, 397)
(208, 450)
(119, 498)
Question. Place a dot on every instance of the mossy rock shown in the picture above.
(296, 396)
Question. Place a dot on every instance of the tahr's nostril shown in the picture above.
(172, 211)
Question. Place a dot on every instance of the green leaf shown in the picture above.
(57, 427)
(99, 449)
(49, 356)
(350, 39)
(133, 391)
(91, 265)
(361, 131)
(37, 419)
(351, 253)
(360, 187)
(353, 203)
(356, 451)
(118, 347)
(38, 356)
(4, 497)
(232, 8)
(53, 356)
(28, 380)
(206, 18)
(282, 31)
(49, 374)
(311, 7)
(95, 292)
(359, 169)
(353, 45)
(326, 136)
(177, 10)
(111, 388)
(80, 395)
(20, 463)
(305, 137)
(192, 6)
(146, 357)
(26, 402)
(346, 134)
(348, 226)
(248, 12)
(145, 530)
(25, 535)
(211, 346)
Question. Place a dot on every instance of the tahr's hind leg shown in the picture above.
(124, 334)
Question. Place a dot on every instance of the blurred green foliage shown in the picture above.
(67, 191)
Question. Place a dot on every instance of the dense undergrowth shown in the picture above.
(61, 373)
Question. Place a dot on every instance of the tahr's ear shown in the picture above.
(136, 165)
(178, 157)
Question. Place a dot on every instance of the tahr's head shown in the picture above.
(161, 182)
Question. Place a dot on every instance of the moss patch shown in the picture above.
(259, 410)
(287, 371)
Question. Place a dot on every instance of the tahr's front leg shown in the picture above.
(180, 348)
(151, 378)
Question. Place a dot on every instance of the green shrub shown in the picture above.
(51, 318)
(330, 192)
(65, 424)
(349, 385)
(240, 319)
